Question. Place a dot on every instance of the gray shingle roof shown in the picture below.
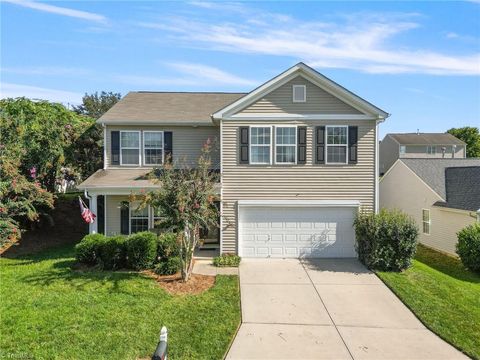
(432, 171)
(168, 107)
(426, 139)
(463, 188)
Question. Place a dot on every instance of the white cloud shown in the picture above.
(10, 90)
(363, 42)
(59, 10)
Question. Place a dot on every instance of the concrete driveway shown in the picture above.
(326, 309)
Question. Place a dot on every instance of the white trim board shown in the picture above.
(299, 203)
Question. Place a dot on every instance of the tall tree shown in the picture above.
(95, 105)
(471, 136)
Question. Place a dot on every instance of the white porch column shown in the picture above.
(93, 227)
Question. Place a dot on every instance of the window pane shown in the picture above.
(153, 156)
(260, 136)
(337, 154)
(130, 139)
(426, 228)
(138, 213)
(138, 225)
(285, 154)
(153, 139)
(425, 215)
(337, 135)
(130, 156)
(260, 154)
(285, 136)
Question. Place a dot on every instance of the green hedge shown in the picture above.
(386, 241)
(141, 250)
(468, 246)
(87, 251)
(231, 260)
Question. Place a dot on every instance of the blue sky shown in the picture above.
(419, 61)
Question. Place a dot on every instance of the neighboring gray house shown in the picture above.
(418, 146)
(298, 157)
(442, 195)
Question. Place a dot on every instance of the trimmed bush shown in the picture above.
(386, 241)
(87, 250)
(230, 260)
(468, 246)
(112, 253)
(141, 250)
(167, 246)
(169, 266)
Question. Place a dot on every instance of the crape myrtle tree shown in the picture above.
(185, 201)
(471, 136)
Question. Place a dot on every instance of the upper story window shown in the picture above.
(130, 147)
(337, 144)
(299, 93)
(403, 149)
(153, 147)
(285, 145)
(432, 150)
(260, 145)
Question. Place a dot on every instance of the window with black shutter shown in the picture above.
(243, 145)
(320, 144)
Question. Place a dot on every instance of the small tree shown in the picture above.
(95, 105)
(471, 136)
(185, 200)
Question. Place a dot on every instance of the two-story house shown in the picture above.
(419, 146)
(298, 157)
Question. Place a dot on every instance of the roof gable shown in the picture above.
(462, 188)
(362, 109)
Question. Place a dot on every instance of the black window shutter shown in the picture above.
(244, 145)
(124, 215)
(101, 214)
(352, 144)
(168, 145)
(320, 144)
(301, 145)
(115, 147)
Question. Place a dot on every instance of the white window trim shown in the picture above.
(132, 148)
(296, 145)
(431, 150)
(250, 144)
(404, 150)
(327, 145)
(144, 148)
(131, 208)
(304, 87)
(151, 221)
(429, 222)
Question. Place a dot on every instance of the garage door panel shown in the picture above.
(297, 232)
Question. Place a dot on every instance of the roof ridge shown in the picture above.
(186, 92)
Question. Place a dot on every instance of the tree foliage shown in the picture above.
(185, 201)
(471, 136)
(95, 105)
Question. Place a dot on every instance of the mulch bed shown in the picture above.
(174, 285)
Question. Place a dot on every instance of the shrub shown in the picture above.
(167, 246)
(168, 266)
(387, 240)
(112, 253)
(227, 260)
(87, 250)
(141, 250)
(468, 246)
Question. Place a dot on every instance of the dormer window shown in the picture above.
(299, 93)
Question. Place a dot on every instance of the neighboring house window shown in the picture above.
(299, 93)
(337, 144)
(432, 150)
(153, 147)
(285, 145)
(403, 149)
(426, 221)
(130, 147)
(138, 219)
(260, 145)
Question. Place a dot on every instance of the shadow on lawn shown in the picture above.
(446, 264)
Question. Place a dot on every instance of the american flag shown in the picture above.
(87, 215)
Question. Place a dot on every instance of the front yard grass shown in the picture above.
(444, 295)
(49, 311)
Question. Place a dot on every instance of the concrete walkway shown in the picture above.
(326, 309)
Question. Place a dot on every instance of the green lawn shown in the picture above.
(444, 295)
(52, 312)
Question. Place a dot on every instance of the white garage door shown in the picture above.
(296, 232)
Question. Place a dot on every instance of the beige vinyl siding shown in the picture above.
(420, 151)
(187, 141)
(402, 189)
(318, 101)
(112, 220)
(388, 154)
(294, 182)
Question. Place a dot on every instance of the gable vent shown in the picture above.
(299, 93)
